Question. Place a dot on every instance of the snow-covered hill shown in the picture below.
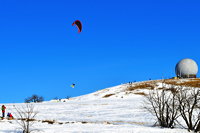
(117, 109)
(138, 88)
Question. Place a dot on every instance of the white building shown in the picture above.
(186, 68)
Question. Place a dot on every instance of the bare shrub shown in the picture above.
(26, 117)
(34, 98)
(168, 104)
(189, 107)
(163, 105)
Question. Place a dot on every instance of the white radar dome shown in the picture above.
(186, 68)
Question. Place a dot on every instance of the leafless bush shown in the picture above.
(163, 105)
(34, 98)
(26, 117)
(189, 107)
(168, 104)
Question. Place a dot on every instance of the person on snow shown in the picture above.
(9, 115)
(3, 109)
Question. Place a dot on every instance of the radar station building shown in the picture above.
(186, 68)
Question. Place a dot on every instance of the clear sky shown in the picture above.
(122, 40)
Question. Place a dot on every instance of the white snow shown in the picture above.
(91, 113)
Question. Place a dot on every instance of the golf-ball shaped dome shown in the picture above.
(186, 68)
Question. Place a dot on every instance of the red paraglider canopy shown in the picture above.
(78, 25)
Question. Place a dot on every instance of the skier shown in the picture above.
(3, 108)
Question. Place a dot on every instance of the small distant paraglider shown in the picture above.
(78, 25)
(73, 85)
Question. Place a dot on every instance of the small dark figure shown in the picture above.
(3, 109)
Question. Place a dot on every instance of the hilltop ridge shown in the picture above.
(127, 90)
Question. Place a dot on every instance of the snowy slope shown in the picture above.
(112, 110)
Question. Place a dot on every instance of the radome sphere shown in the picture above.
(186, 68)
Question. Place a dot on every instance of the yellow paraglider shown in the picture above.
(73, 85)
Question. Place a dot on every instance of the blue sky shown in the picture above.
(126, 40)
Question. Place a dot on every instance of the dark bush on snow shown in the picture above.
(34, 98)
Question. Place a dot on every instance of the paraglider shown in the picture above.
(73, 85)
(78, 25)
